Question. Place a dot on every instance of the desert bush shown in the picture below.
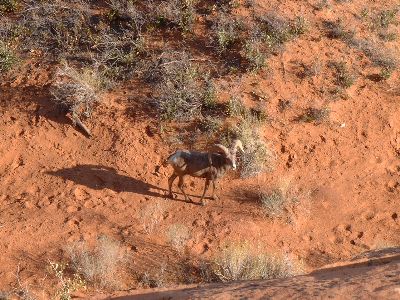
(151, 215)
(241, 261)
(155, 278)
(343, 76)
(225, 32)
(210, 124)
(126, 16)
(321, 4)
(100, 265)
(276, 30)
(66, 285)
(56, 28)
(337, 30)
(183, 92)
(179, 13)
(317, 115)
(119, 54)
(7, 58)
(76, 90)
(178, 235)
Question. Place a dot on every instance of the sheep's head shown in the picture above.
(230, 155)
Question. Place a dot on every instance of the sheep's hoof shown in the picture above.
(215, 197)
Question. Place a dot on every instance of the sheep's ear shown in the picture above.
(218, 148)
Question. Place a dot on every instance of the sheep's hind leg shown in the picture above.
(170, 182)
(180, 185)
(206, 185)
(213, 196)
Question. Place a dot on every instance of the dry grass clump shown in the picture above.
(317, 115)
(277, 30)
(178, 235)
(337, 30)
(183, 92)
(7, 58)
(151, 215)
(100, 265)
(77, 91)
(254, 54)
(241, 261)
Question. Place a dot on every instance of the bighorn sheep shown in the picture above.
(209, 165)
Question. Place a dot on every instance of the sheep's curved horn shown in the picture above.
(220, 149)
(235, 145)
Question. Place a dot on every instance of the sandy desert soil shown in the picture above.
(58, 186)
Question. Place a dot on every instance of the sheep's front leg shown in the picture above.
(180, 185)
(206, 185)
(213, 196)
(170, 182)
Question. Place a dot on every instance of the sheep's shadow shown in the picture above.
(99, 177)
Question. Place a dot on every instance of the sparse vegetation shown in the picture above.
(254, 54)
(343, 77)
(241, 261)
(7, 58)
(226, 31)
(385, 18)
(100, 265)
(178, 235)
